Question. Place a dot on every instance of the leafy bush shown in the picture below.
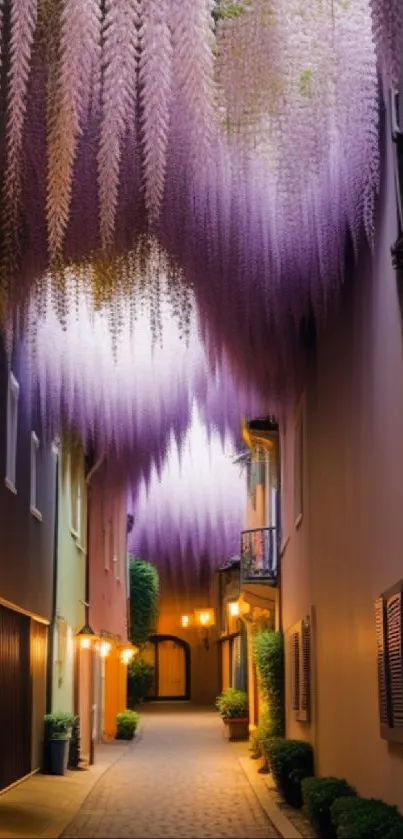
(366, 818)
(58, 726)
(232, 704)
(144, 593)
(140, 678)
(127, 723)
(269, 658)
(290, 762)
(318, 795)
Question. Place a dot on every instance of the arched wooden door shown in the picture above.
(172, 667)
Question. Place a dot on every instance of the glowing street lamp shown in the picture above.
(105, 648)
(86, 637)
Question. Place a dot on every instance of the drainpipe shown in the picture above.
(88, 479)
(49, 686)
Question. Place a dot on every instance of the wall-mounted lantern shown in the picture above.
(86, 637)
(127, 654)
(202, 619)
(234, 609)
(186, 621)
(104, 648)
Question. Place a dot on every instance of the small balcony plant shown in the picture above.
(232, 705)
(58, 728)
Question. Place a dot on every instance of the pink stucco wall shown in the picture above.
(349, 546)
(107, 557)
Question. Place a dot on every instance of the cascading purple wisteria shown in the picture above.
(270, 112)
(128, 398)
(189, 518)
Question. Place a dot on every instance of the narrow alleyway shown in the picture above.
(179, 779)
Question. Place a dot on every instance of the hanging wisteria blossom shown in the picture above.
(127, 397)
(188, 519)
(254, 123)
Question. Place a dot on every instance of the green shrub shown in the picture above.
(366, 818)
(144, 593)
(140, 678)
(58, 726)
(290, 762)
(232, 704)
(127, 723)
(318, 795)
(268, 648)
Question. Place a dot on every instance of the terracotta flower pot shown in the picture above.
(238, 727)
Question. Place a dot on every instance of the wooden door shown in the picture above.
(15, 697)
(171, 669)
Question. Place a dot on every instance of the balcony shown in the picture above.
(259, 555)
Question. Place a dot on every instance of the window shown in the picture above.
(388, 624)
(76, 507)
(299, 466)
(12, 428)
(300, 656)
(35, 477)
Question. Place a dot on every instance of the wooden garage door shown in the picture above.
(15, 697)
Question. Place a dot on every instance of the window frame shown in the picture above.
(300, 646)
(35, 478)
(13, 396)
(390, 689)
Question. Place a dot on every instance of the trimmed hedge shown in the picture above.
(318, 795)
(127, 723)
(366, 818)
(268, 647)
(290, 762)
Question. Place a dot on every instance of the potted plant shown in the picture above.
(127, 722)
(58, 728)
(232, 705)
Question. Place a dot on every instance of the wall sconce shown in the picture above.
(127, 654)
(205, 619)
(185, 621)
(233, 609)
(86, 637)
(104, 648)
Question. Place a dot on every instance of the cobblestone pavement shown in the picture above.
(180, 779)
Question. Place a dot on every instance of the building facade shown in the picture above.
(341, 566)
(107, 505)
(28, 470)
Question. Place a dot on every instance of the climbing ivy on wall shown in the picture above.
(144, 594)
(268, 647)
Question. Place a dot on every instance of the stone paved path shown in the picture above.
(180, 779)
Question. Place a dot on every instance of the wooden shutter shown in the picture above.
(394, 638)
(305, 671)
(380, 625)
(295, 664)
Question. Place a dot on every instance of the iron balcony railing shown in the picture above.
(259, 555)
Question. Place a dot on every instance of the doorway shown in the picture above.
(171, 659)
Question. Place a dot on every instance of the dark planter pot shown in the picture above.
(238, 728)
(59, 755)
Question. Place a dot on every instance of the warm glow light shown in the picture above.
(204, 617)
(85, 643)
(233, 608)
(104, 649)
(185, 620)
(127, 655)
